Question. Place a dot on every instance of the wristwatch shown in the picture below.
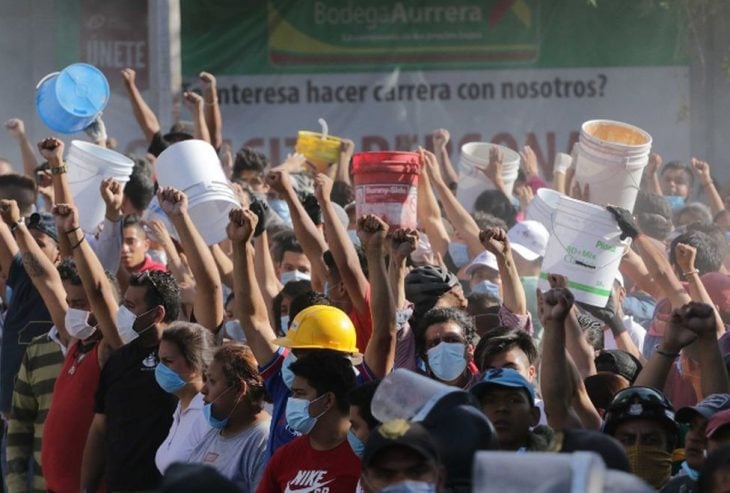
(15, 226)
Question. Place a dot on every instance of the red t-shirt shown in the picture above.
(150, 264)
(363, 323)
(69, 419)
(297, 467)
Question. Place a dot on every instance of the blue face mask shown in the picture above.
(297, 414)
(214, 422)
(447, 361)
(284, 321)
(485, 287)
(459, 253)
(235, 331)
(293, 275)
(693, 474)
(8, 295)
(282, 209)
(286, 373)
(168, 379)
(357, 445)
(675, 201)
(410, 487)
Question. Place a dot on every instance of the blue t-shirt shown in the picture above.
(280, 433)
(27, 317)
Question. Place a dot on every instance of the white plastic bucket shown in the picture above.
(542, 208)
(586, 248)
(193, 167)
(611, 159)
(88, 165)
(390, 401)
(472, 181)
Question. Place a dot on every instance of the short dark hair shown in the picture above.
(342, 193)
(162, 290)
(361, 396)
(327, 371)
(140, 189)
(21, 189)
(674, 165)
(498, 204)
(69, 273)
(329, 261)
(709, 258)
(697, 211)
(291, 289)
(718, 460)
(239, 364)
(249, 160)
(194, 342)
(441, 315)
(486, 220)
(653, 215)
(134, 221)
(714, 232)
(285, 241)
(305, 300)
(502, 339)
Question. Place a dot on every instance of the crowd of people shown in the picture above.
(136, 357)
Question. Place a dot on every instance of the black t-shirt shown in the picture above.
(27, 318)
(158, 144)
(138, 417)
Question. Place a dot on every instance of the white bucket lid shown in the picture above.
(478, 152)
(97, 153)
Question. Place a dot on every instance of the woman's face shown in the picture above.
(172, 358)
(219, 391)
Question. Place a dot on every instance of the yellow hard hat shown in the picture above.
(321, 327)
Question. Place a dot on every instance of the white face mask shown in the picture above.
(293, 275)
(125, 324)
(284, 323)
(77, 323)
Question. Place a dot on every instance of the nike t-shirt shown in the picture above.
(298, 468)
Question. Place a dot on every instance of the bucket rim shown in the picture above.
(509, 154)
(584, 132)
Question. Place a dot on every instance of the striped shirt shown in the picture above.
(31, 399)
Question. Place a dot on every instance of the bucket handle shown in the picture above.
(552, 221)
(40, 82)
(325, 128)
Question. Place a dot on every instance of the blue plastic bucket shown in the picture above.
(70, 100)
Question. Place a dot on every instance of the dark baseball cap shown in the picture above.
(618, 362)
(43, 222)
(402, 433)
(503, 377)
(706, 408)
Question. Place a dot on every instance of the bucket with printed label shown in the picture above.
(88, 165)
(386, 186)
(70, 100)
(586, 247)
(193, 167)
(473, 181)
(611, 157)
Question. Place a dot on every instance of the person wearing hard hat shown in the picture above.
(312, 328)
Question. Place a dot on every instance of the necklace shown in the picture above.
(80, 355)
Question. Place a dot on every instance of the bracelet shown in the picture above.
(59, 170)
(15, 226)
(664, 353)
(72, 230)
(687, 274)
(74, 247)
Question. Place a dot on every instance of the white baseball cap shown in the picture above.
(484, 259)
(529, 239)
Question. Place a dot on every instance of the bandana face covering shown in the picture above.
(652, 464)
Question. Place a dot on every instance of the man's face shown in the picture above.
(358, 425)
(291, 261)
(47, 244)
(76, 296)
(445, 332)
(484, 273)
(397, 464)
(695, 442)
(675, 182)
(511, 413)
(645, 432)
(300, 389)
(134, 247)
(513, 358)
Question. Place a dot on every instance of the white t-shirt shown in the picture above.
(187, 430)
(636, 332)
(240, 458)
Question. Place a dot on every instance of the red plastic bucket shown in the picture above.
(385, 185)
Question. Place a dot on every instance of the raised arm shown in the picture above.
(347, 148)
(685, 255)
(441, 138)
(701, 170)
(700, 318)
(40, 269)
(651, 174)
(513, 294)
(248, 304)
(52, 150)
(403, 242)
(98, 288)
(633, 267)
(428, 211)
(341, 247)
(144, 115)
(208, 306)
(212, 109)
(306, 231)
(16, 128)
(380, 351)
(195, 104)
(8, 248)
(224, 264)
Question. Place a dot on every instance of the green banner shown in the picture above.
(310, 36)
